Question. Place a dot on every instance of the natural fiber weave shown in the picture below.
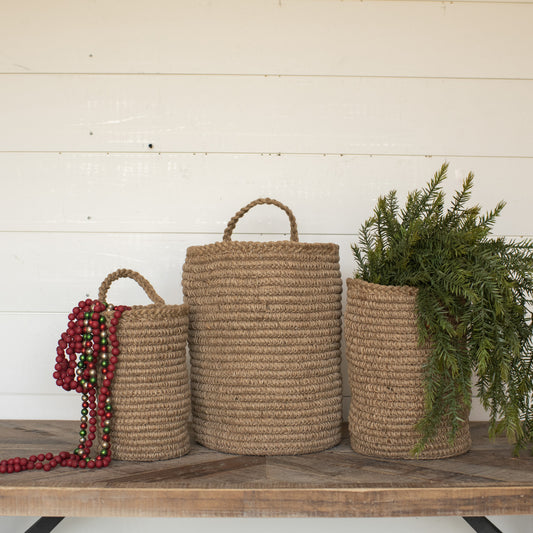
(264, 341)
(150, 391)
(385, 367)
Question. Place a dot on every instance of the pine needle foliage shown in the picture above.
(474, 300)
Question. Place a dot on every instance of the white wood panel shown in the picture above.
(266, 114)
(27, 387)
(185, 193)
(51, 272)
(328, 37)
(443, 524)
(60, 405)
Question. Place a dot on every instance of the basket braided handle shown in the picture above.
(126, 273)
(239, 214)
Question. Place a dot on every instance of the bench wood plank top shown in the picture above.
(338, 482)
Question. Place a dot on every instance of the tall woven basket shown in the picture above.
(264, 341)
(385, 367)
(150, 390)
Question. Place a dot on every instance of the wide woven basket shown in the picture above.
(385, 367)
(264, 342)
(150, 392)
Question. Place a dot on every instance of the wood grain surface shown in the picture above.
(338, 482)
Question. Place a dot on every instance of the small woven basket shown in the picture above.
(150, 391)
(385, 367)
(264, 342)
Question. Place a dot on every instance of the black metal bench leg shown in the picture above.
(45, 524)
(481, 524)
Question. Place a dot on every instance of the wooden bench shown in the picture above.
(335, 483)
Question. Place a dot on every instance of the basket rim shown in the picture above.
(231, 246)
(164, 310)
(406, 290)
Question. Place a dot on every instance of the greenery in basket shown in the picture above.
(474, 299)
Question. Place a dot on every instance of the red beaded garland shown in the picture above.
(87, 335)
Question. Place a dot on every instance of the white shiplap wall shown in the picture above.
(130, 130)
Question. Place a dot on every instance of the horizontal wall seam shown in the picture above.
(212, 233)
(272, 154)
(269, 75)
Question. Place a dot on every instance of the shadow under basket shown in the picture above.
(385, 368)
(150, 390)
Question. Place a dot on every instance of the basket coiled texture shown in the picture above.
(150, 391)
(386, 373)
(264, 343)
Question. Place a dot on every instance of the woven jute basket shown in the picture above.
(150, 391)
(264, 342)
(386, 372)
